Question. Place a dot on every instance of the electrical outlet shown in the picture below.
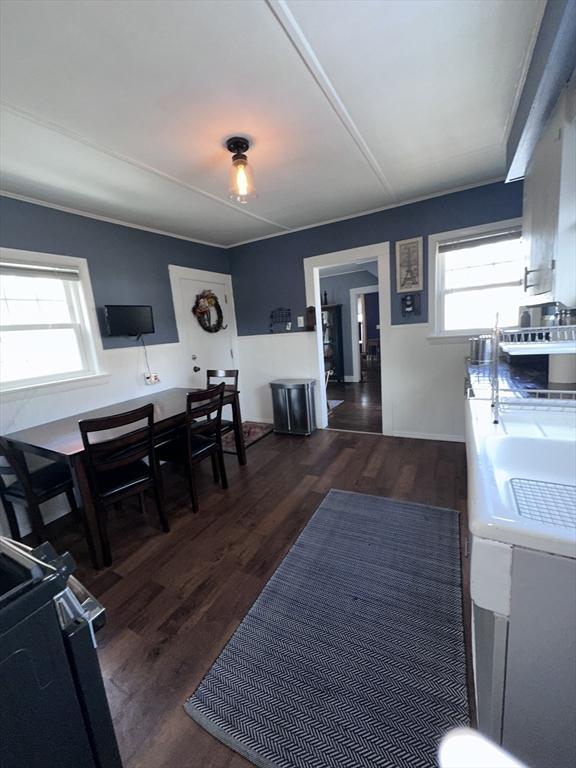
(151, 378)
(300, 321)
(288, 326)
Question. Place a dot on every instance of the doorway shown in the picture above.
(203, 350)
(351, 346)
(379, 252)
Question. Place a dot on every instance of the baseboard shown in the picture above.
(428, 436)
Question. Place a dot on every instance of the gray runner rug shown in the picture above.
(353, 654)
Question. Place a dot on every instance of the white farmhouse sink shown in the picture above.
(522, 476)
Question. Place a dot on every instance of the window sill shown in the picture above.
(50, 387)
(459, 339)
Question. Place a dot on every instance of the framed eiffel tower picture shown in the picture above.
(409, 265)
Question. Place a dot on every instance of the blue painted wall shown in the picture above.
(338, 289)
(269, 273)
(130, 266)
(127, 266)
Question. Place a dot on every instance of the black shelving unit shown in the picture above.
(332, 341)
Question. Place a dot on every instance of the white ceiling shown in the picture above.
(120, 109)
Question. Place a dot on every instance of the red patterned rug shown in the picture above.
(253, 431)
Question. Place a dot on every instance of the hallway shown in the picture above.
(361, 409)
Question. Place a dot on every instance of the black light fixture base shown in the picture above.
(238, 145)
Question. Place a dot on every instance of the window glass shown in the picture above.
(33, 301)
(37, 354)
(44, 330)
(471, 310)
(480, 282)
(482, 265)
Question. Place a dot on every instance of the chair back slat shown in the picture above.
(118, 448)
(215, 375)
(14, 465)
(204, 411)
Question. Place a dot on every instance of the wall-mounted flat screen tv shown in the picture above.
(128, 320)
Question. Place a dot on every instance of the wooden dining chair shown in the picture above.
(31, 488)
(121, 465)
(202, 438)
(216, 376)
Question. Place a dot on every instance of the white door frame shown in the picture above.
(176, 273)
(354, 293)
(312, 266)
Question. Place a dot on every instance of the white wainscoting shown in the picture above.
(272, 356)
(125, 369)
(424, 381)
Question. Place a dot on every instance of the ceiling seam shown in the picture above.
(48, 124)
(293, 31)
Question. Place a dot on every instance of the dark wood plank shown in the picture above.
(174, 599)
(361, 410)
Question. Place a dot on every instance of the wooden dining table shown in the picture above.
(60, 440)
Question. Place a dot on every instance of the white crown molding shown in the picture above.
(49, 125)
(107, 219)
(45, 204)
(287, 21)
(359, 215)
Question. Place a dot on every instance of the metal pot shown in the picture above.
(481, 348)
(568, 317)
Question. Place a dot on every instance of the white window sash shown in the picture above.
(37, 327)
(50, 379)
(45, 271)
(73, 272)
(484, 287)
(470, 236)
(462, 243)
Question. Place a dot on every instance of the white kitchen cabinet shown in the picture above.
(549, 227)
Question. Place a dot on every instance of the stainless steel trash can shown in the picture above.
(293, 405)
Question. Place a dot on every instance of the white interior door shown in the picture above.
(202, 349)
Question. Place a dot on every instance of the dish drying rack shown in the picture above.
(554, 339)
(548, 340)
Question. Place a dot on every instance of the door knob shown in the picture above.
(196, 368)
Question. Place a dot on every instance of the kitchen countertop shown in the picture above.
(516, 379)
(522, 476)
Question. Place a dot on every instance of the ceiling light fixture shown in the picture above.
(241, 178)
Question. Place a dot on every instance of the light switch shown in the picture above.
(300, 321)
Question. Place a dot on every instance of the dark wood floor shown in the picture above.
(361, 410)
(173, 600)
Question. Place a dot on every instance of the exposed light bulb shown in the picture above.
(241, 181)
(241, 187)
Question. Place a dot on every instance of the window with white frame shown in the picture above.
(478, 277)
(45, 332)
